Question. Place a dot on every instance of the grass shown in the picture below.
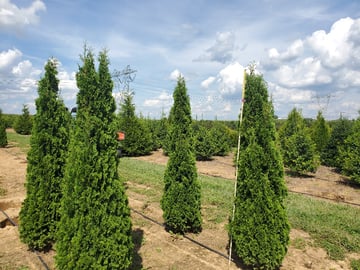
(18, 140)
(334, 227)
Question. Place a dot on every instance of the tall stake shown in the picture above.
(237, 158)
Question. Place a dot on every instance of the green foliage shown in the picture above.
(23, 124)
(3, 135)
(46, 159)
(320, 133)
(330, 155)
(221, 138)
(259, 229)
(137, 135)
(181, 201)
(298, 150)
(203, 143)
(95, 226)
(350, 153)
(355, 264)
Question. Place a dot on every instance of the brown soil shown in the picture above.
(156, 248)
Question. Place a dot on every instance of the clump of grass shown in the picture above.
(355, 264)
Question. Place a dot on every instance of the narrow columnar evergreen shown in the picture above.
(320, 133)
(260, 229)
(3, 135)
(95, 226)
(181, 203)
(46, 160)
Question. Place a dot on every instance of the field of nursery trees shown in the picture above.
(84, 206)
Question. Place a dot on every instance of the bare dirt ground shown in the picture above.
(155, 248)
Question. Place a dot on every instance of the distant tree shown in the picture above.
(95, 227)
(221, 137)
(3, 135)
(137, 136)
(162, 130)
(298, 149)
(259, 229)
(23, 124)
(203, 143)
(39, 213)
(350, 153)
(320, 133)
(330, 155)
(181, 198)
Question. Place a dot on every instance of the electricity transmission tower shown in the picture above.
(323, 105)
(124, 77)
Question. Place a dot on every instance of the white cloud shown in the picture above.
(175, 75)
(333, 48)
(223, 49)
(292, 52)
(11, 16)
(206, 83)
(231, 79)
(308, 72)
(8, 58)
(164, 100)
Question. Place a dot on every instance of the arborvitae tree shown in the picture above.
(181, 203)
(137, 136)
(95, 227)
(23, 124)
(3, 136)
(320, 133)
(203, 143)
(350, 153)
(162, 130)
(330, 155)
(259, 229)
(221, 138)
(297, 147)
(46, 161)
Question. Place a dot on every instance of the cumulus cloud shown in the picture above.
(223, 49)
(206, 83)
(175, 75)
(231, 79)
(164, 99)
(8, 58)
(13, 17)
(292, 52)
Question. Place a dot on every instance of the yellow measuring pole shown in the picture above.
(237, 158)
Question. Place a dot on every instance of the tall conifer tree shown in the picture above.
(320, 133)
(181, 203)
(259, 229)
(46, 160)
(95, 225)
(23, 124)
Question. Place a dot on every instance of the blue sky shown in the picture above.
(308, 51)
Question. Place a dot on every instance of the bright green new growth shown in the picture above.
(298, 149)
(95, 226)
(260, 229)
(3, 136)
(181, 203)
(46, 160)
(320, 133)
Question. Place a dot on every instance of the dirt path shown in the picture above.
(157, 249)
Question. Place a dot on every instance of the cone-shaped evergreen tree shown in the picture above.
(23, 124)
(95, 226)
(259, 229)
(137, 136)
(320, 133)
(46, 160)
(298, 149)
(181, 203)
(3, 135)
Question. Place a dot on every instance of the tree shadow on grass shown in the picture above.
(138, 236)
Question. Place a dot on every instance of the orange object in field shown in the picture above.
(120, 136)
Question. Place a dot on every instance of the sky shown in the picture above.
(308, 52)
